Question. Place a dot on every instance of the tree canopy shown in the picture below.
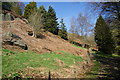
(12, 6)
(29, 8)
(62, 30)
(43, 13)
(103, 36)
(52, 24)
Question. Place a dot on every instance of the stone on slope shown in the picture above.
(13, 39)
(21, 44)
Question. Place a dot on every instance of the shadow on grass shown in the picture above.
(109, 68)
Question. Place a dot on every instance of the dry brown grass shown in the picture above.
(49, 43)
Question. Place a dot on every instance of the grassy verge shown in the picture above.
(15, 61)
(94, 70)
(94, 73)
(107, 55)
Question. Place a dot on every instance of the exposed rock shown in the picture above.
(7, 41)
(7, 17)
(14, 36)
(25, 20)
(7, 38)
(86, 46)
(13, 39)
(21, 44)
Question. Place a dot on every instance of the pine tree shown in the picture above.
(111, 10)
(103, 36)
(16, 8)
(52, 23)
(43, 13)
(62, 31)
(6, 5)
(116, 35)
(12, 6)
(31, 7)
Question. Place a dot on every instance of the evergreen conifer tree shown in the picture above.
(103, 36)
(31, 7)
(12, 6)
(6, 5)
(52, 23)
(16, 8)
(62, 31)
(43, 13)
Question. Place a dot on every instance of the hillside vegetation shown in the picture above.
(30, 64)
(46, 43)
(44, 54)
(36, 44)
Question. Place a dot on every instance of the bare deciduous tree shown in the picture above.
(36, 21)
(73, 29)
(83, 24)
(80, 28)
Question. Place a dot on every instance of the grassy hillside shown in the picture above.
(15, 62)
(54, 54)
(48, 42)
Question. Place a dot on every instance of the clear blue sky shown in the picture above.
(67, 10)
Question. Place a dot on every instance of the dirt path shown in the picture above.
(109, 68)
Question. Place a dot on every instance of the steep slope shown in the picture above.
(54, 52)
(47, 43)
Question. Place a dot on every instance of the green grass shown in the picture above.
(12, 62)
(78, 47)
(94, 70)
(106, 55)
(7, 52)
